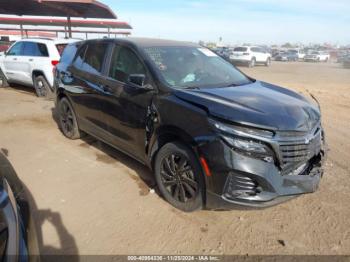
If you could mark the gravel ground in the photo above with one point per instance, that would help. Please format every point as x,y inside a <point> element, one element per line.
<point>91,199</point>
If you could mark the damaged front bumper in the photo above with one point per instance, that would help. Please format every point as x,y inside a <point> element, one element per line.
<point>241,180</point>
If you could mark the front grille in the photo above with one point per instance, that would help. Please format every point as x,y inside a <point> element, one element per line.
<point>300,150</point>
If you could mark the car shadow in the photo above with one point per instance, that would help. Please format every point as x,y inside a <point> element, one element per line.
<point>23,89</point>
<point>109,155</point>
<point>34,218</point>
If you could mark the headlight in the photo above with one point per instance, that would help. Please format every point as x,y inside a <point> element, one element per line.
<point>236,137</point>
<point>241,130</point>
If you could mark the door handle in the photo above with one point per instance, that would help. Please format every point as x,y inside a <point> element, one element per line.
<point>14,59</point>
<point>31,59</point>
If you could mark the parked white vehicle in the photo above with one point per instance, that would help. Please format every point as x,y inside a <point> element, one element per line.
<point>31,62</point>
<point>317,56</point>
<point>298,52</point>
<point>250,55</point>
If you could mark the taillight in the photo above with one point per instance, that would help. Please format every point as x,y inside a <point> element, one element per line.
<point>54,62</point>
<point>246,54</point>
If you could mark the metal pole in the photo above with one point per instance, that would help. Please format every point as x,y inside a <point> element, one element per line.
<point>65,32</point>
<point>21,27</point>
<point>69,27</point>
<point>109,32</point>
<point>86,35</point>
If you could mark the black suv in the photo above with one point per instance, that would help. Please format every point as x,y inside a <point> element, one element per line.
<point>213,136</point>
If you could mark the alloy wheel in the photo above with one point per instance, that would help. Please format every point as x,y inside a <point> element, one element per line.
<point>178,178</point>
<point>67,119</point>
<point>41,88</point>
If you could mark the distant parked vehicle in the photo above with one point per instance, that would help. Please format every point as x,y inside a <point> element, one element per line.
<point>4,45</point>
<point>299,53</point>
<point>346,62</point>
<point>317,56</point>
<point>31,62</point>
<point>250,56</point>
<point>342,57</point>
<point>287,56</point>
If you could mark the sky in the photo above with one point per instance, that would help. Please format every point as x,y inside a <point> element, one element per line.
<point>238,21</point>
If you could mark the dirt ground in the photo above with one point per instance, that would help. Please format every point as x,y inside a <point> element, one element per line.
<point>91,199</point>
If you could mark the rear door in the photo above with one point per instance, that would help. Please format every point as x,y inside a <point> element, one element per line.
<point>83,80</point>
<point>125,104</point>
<point>257,54</point>
<point>35,56</point>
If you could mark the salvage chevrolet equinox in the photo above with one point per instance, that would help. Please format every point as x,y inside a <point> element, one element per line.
<point>214,137</point>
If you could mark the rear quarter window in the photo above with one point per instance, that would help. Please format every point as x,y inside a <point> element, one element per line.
<point>60,48</point>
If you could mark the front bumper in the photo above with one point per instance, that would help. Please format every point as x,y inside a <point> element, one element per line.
<point>311,59</point>
<point>284,59</point>
<point>239,180</point>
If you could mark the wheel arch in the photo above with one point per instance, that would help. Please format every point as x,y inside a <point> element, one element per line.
<point>167,134</point>
<point>36,73</point>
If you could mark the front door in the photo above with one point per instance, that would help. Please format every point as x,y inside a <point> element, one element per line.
<point>14,65</point>
<point>125,105</point>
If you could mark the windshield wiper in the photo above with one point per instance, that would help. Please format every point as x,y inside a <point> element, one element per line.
<point>191,87</point>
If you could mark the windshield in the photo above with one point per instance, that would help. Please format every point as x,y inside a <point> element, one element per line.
<point>186,67</point>
<point>315,53</point>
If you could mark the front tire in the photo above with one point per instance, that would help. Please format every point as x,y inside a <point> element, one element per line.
<point>3,80</point>
<point>268,62</point>
<point>179,177</point>
<point>42,87</point>
<point>67,120</point>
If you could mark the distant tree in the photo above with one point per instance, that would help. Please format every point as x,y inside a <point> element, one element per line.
<point>287,45</point>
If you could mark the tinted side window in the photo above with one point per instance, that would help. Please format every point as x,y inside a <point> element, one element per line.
<point>42,50</point>
<point>254,49</point>
<point>16,49</point>
<point>124,63</point>
<point>94,57</point>
<point>78,62</point>
<point>35,49</point>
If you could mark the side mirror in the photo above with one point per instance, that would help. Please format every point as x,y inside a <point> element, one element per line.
<point>137,79</point>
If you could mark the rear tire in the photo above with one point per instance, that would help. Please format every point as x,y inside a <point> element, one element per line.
<point>67,120</point>
<point>252,62</point>
<point>179,177</point>
<point>3,80</point>
<point>42,88</point>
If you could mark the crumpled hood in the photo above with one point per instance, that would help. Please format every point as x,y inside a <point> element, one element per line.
<point>259,104</point>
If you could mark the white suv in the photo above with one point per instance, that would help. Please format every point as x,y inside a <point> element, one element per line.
<point>31,62</point>
<point>250,55</point>
<point>317,56</point>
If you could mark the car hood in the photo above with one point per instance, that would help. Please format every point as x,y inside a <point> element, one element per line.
<point>257,104</point>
